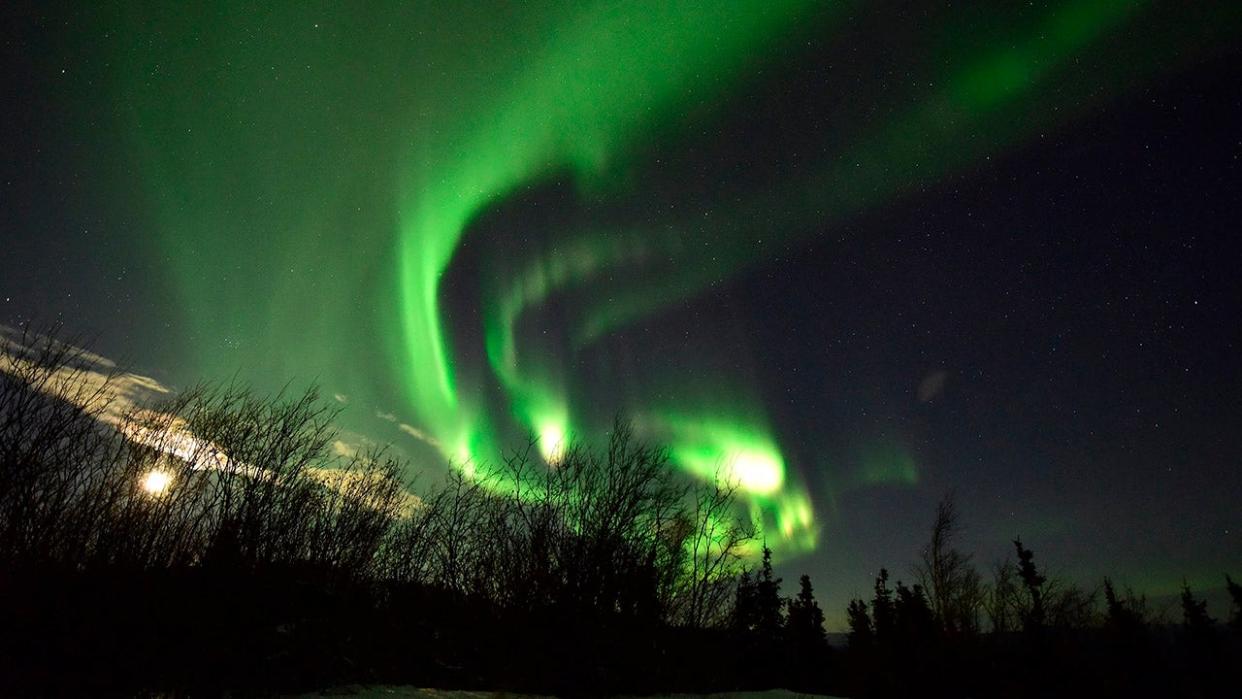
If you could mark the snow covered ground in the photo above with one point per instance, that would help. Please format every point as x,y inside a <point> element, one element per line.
<point>407,692</point>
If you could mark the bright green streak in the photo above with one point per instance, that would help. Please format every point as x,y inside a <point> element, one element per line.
<point>607,75</point>
<point>992,98</point>
<point>893,157</point>
<point>887,464</point>
<point>937,135</point>
<point>734,453</point>
<point>310,173</point>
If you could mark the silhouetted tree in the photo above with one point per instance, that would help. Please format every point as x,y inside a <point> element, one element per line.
<point>769,606</point>
<point>1126,651</point>
<point>715,552</point>
<point>861,635</point>
<point>882,612</point>
<point>1033,617</point>
<point>805,623</point>
<point>1068,606</point>
<point>1201,644</point>
<point>1235,594</point>
<point>915,620</point>
<point>1125,615</point>
<point>1195,618</point>
<point>1001,601</point>
<point>745,615</point>
<point>806,638</point>
<point>954,589</point>
<point>274,562</point>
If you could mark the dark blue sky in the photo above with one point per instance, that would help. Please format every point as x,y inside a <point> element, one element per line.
<point>1069,303</point>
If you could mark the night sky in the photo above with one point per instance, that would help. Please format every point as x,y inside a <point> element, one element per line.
<point>856,255</point>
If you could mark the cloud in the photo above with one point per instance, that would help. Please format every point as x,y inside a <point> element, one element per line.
<point>344,449</point>
<point>932,385</point>
<point>418,434</point>
<point>408,429</point>
<point>83,378</point>
<point>115,397</point>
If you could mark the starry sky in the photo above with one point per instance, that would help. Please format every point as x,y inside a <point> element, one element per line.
<point>851,255</point>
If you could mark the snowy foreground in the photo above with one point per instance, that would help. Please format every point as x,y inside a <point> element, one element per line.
<point>407,692</point>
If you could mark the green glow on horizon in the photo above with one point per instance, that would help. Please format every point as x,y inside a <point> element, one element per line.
<point>887,464</point>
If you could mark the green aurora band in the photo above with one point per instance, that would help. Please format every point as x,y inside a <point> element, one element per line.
<point>611,73</point>
<point>324,133</point>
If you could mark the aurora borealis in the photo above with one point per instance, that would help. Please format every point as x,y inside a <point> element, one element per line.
<point>752,228</point>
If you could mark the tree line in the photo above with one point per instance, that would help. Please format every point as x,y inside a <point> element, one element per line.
<point>1027,633</point>
<point>219,542</point>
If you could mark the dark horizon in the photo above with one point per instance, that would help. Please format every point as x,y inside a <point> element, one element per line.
<point>864,257</point>
<point>222,540</point>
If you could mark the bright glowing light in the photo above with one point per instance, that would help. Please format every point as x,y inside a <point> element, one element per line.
<point>552,441</point>
<point>580,95</point>
<point>156,482</point>
<point>738,452</point>
<point>757,472</point>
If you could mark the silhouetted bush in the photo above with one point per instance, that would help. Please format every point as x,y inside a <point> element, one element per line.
<point>217,540</point>
<point>1043,636</point>
<point>1235,595</point>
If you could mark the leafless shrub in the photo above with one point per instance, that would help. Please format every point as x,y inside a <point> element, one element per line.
<point>222,480</point>
<point>1012,606</point>
<point>714,557</point>
<point>954,589</point>
<point>55,455</point>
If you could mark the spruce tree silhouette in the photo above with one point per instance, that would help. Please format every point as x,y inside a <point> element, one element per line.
<point>915,619</point>
<point>1195,618</point>
<point>1127,651</point>
<point>745,617</point>
<point>1125,617</point>
<point>1034,617</point>
<point>299,568</point>
<point>861,658</point>
<point>1202,646</point>
<point>808,642</point>
<point>759,622</point>
<point>1235,593</point>
<point>861,635</point>
<point>882,609</point>
<point>769,619</point>
<point>805,626</point>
